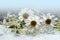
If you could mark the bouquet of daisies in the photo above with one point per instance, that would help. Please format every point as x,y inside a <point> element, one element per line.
<point>30,21</point>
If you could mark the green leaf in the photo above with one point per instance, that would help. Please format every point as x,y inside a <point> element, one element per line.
<point>22,24</point>
<point>17,31</point>
<point>12,30</point>
<point>58,29</point>
<point>12,26</point>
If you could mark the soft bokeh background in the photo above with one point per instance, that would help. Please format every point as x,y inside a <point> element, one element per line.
<point>39,4</point>
<point>52,6</point>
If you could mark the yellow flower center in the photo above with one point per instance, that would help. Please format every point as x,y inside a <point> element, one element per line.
<point>33,23</point>
<point>48,21</point>
<point>25,15</point>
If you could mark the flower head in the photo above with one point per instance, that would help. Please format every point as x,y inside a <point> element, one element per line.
<point>48,22</point>
<point>25,13</point>
<point>49,19</point>
<point>33,24</point>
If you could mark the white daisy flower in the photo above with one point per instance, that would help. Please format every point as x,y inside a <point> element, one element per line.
<point>33,24</point>
<point>48,21</point>
<point>25,13</point>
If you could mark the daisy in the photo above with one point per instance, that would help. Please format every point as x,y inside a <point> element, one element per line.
<point>25,13</point>
<point>48,21</point>
<point>33,24</point>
